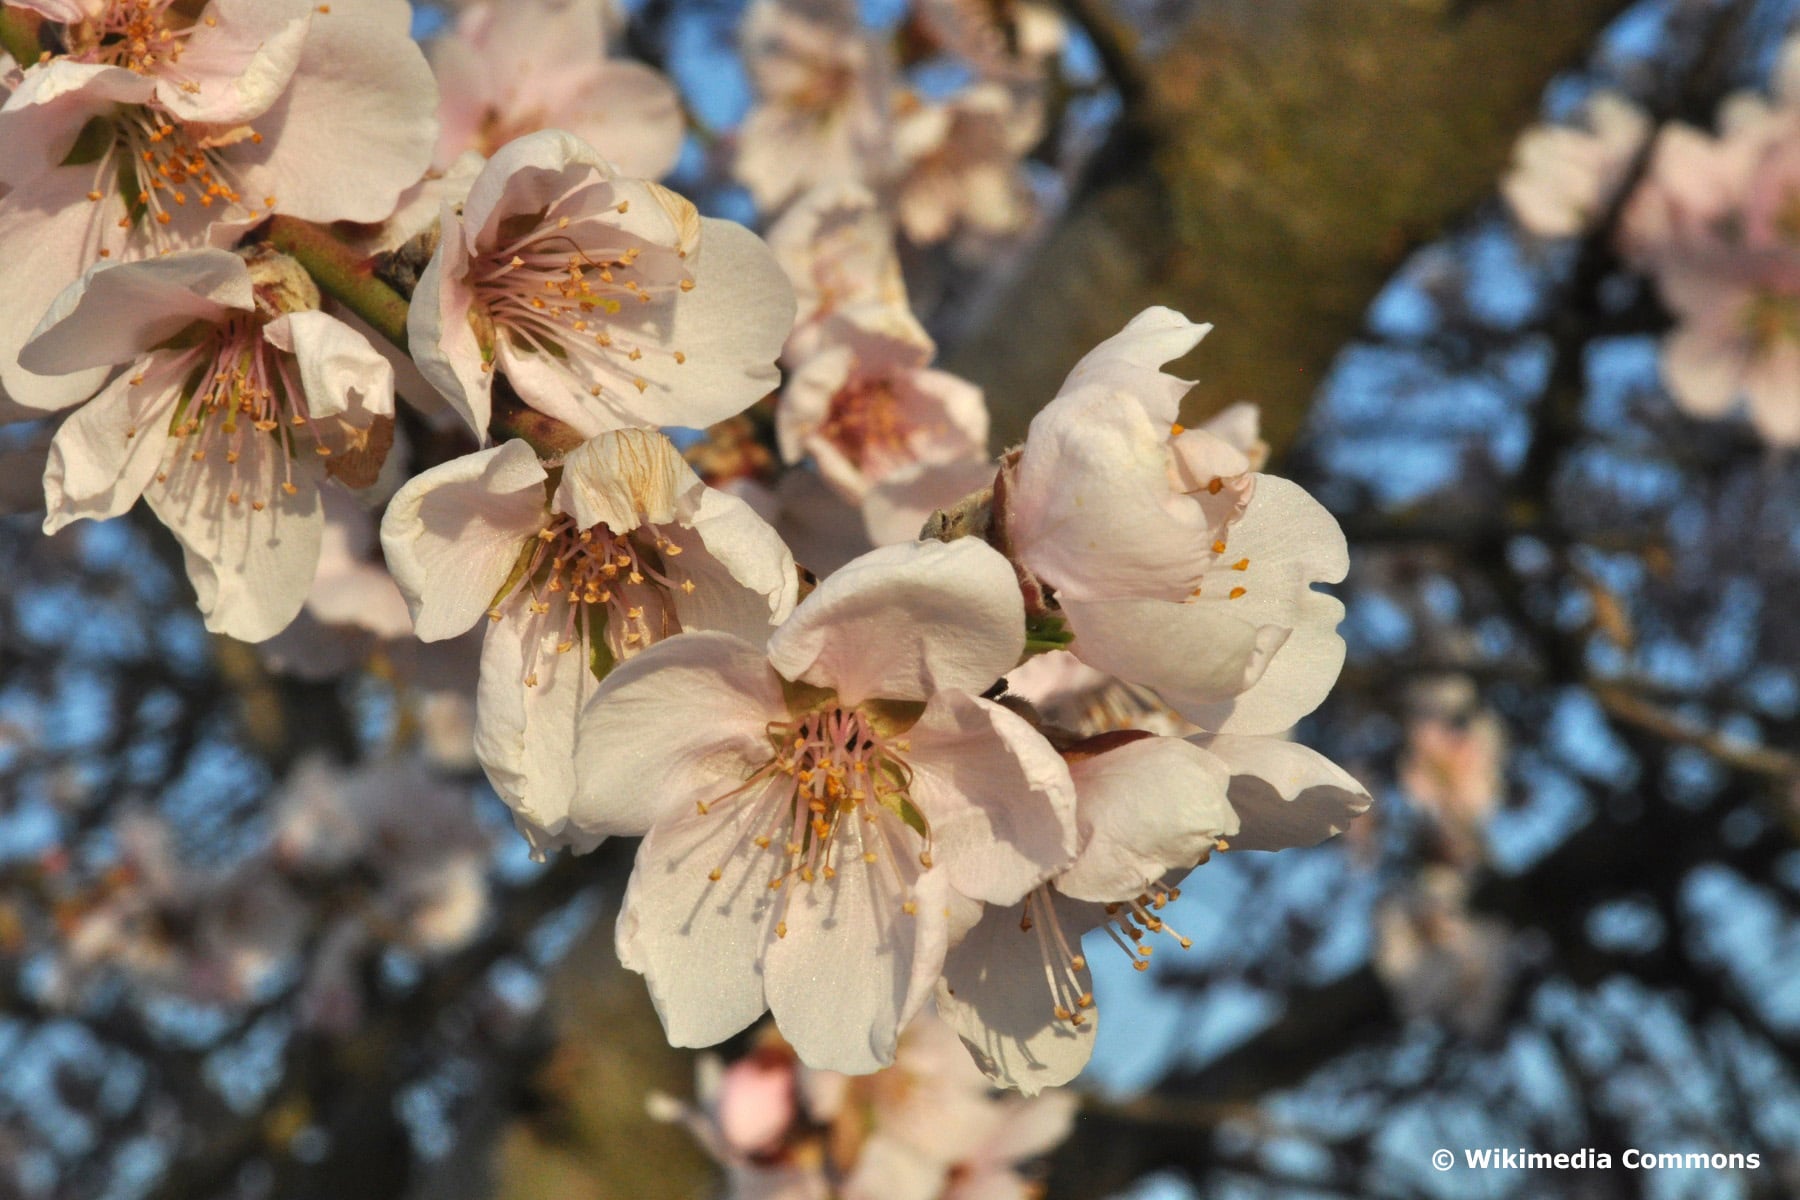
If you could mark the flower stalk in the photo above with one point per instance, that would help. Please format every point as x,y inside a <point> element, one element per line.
<point>344,275</point>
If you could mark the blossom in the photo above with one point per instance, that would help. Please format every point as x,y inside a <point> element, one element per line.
<point>1149,535</point>
<point>415,837</point>
<point>1148,809</point>
<point>229,417</point>
<point>928,1126</point>
<point>1012,42</point>
<point>837,246</point>
<point>822,100</point>
<point>962,165</point>
<point>608,303</point>
<point>153,125</point>
<point>1453,769</point>
<point>827,809</point>
<point>1439,960</point>
<point>624,548</point>
<point>866,406</point>
<point>1564,177</point>
<point>509,69</point>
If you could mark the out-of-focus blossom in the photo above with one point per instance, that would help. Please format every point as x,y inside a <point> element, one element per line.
<point>962,168</point>
<point>629,549</point>
<point>608,303</point>
<point>837,246</point>
<point>1716,221</point>
<point>866,406</point>
<point>822,112</point>
<point>1564,177</point>
<point>1440,961</point>
<point>820,818</point>
<point>1149,535</point>
<point>153,124</point>
<point>212,936</point>
<point>929,1126</point>
<point>414,835</point>
<point>515,67</point>
<point>1453,770</point>
<point>1011,42</point>
<point>237,403</point>
<point>1148,809</point>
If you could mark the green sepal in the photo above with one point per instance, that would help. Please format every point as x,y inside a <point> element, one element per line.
<point>1046,632</point>
<point>95,138</point>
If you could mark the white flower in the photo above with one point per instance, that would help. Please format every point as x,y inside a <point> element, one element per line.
<point>626,548</point>
<point>1151,536</point>
<point>819,817</point>
<point>228,418</point>
<point>607,303</point>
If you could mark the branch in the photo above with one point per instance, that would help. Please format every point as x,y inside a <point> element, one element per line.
<point>19,36</point>
<point>343,274</point>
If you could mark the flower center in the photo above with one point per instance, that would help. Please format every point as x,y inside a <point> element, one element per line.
<point>865,423</point>
<point>616,591</point>
<point>134,34</point>
<point>554,282</point>
<point>846,794</point>
<point>239,388</point>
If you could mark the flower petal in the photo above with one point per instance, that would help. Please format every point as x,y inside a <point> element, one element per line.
<point>453,534</point>
<point>1129,362</point>
<point>697,941</point>
<point>251,567</point>
<point>110,448</point>
<point>1291,542</point>
<point>996,795</point>
<point>116,312</point>
<point>523,732</point>
<point>1149,807</point>
<point>680,725</point>
<point>236,66</point>
<point>341,373</point>
<point>443,343</point>
<point>1285,794</point>
<point>854,966</point>
<point>995,996</point>
<point>43,117</point>
<point>904,622</point>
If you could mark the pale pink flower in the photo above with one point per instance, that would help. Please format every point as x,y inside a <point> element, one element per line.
<point>822,86</point>
<point>829,809</point>
<point>1012,42</point>
<point>962,168</point>
<point>1454,771</point>
<point>1564,177</point>
<point>228,418</point>
<point>1440,961</point>
<point>513,68</point>
<point>836,244</point>
<point>866,406</point>
<point>155,124</point>
<point>629,549</point>
<point>897,508</point>
<point>415,836</point>
<point>1018,989</point>
<point>1717,223</point>
<point>1150,535</point>
<point>607,303</point>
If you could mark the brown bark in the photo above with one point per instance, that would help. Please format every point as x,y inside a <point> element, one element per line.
<point>1280,160</point>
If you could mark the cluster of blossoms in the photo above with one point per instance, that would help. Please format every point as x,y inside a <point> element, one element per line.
<point>1711,218</point>
<point>929,1126</point>
<point>850,807</point>
<point>395,848</point>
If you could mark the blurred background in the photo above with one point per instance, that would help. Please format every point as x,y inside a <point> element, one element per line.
<point>265,932</point>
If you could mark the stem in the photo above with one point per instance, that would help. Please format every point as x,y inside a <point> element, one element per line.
<point>19,36</point>
<point>343,274</point>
